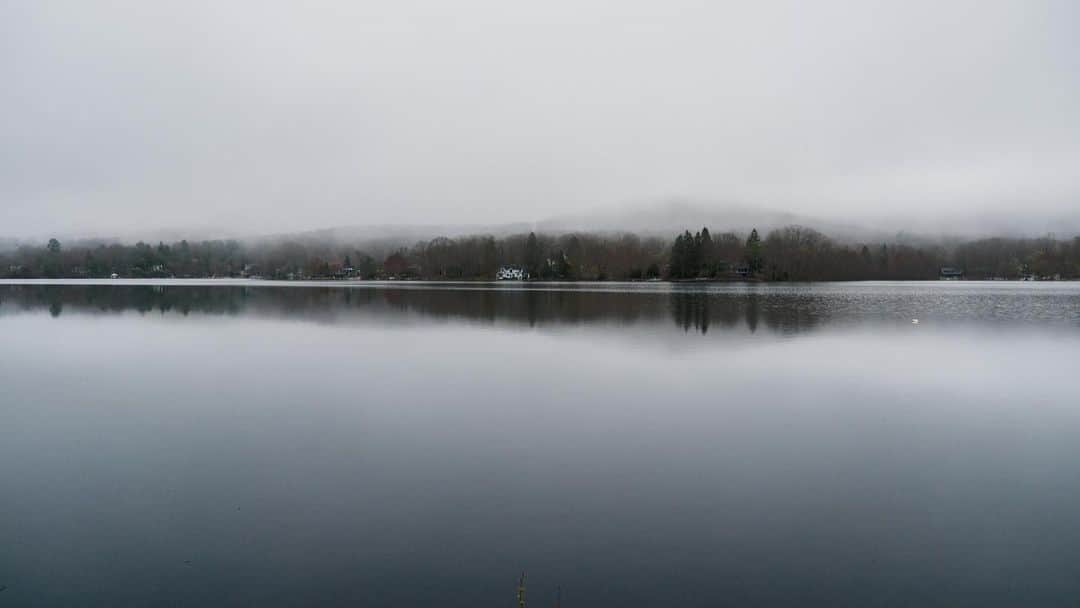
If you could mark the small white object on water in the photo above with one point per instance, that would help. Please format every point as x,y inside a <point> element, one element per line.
<point>914,321</point>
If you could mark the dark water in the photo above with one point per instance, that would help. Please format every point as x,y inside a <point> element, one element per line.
<point>638,445</point>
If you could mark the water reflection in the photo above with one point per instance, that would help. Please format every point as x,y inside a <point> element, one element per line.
<point>688,310</point>
<point>786,310</point>
<point>398,445</point>
<point>698,311</point>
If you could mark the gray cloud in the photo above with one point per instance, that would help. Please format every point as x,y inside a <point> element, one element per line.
<point>271,116</point>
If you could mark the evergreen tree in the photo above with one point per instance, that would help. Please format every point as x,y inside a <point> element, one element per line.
<point>708,254</point>
<point>678,256</point>
<point>532,255</point>
<point>754,258</point>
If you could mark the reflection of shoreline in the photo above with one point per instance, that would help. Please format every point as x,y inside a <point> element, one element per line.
<point>791,310</point>
<point>530,307</point>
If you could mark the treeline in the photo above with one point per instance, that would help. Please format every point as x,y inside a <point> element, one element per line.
<point>579,256</point>
<point>793,253</point>
<point>797,253</point>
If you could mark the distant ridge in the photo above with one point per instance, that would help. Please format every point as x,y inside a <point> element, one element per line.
<point>675,215</point>
<point>664,218</point>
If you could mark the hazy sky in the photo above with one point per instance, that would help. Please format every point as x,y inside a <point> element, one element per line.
<point>267,116</point>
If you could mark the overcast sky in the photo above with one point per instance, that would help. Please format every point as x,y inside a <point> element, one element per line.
<point>270,116</point>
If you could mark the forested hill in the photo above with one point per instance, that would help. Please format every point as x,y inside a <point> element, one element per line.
<point>792,253</point>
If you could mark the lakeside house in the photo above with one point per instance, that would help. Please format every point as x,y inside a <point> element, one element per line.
<point>949,273</point>
<point>347,272</point>
<point>511,273</point>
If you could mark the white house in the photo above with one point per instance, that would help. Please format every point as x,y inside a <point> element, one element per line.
<point>511,273</point>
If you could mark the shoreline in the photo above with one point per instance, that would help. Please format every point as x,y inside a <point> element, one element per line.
<point>245,282</point>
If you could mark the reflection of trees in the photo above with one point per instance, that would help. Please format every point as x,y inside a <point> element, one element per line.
<point>533,307</point>
<point>529,306</point>
<point>113,298</point>
<point>704,310</point>
<point>691,310</point>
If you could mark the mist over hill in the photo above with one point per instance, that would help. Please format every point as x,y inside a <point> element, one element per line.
<point>648,219</point>
<point>665,217</point>
<point>675,215</point>
<point>671,216</point>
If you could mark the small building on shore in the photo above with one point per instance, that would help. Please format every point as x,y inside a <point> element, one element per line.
<point>511,273</point>
<point>950,273</point>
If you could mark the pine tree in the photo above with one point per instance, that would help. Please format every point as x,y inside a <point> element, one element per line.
<point>532,255</point>
<point>708,253</point>
<point>753,252</point>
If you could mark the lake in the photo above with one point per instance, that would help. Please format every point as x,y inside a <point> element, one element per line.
<point>407,444</point>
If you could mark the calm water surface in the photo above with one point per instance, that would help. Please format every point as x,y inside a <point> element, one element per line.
<point>408,445</point>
